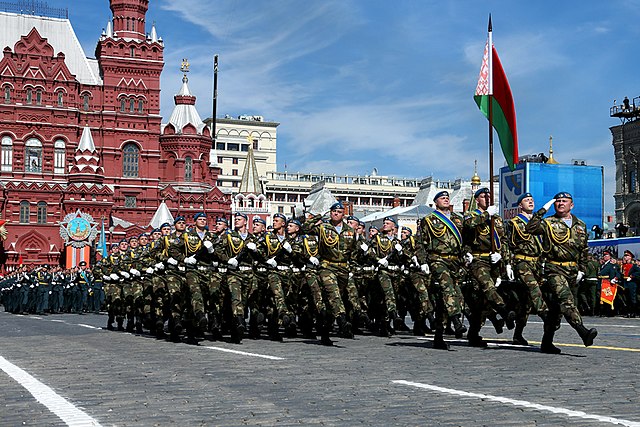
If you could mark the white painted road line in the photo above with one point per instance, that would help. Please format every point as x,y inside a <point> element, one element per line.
<point>244,353</point>
<point>88,326</point>
<point>65,410</point>
<point>596,325</point>
<point>523,403</point>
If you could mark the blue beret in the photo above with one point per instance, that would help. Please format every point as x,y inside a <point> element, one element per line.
<point>143,235</point>
<point>337,205</point>
<point>222,219</point>
<point>260,220</point>
<point>524,196</point>
<point>114,245</point>
<point>124,241</point>
<point>440,194</point>
<point>157,230</point>
<point>388,218</point>
<point>243,215</point>
<point>352,218</point>
<point>133,238</point>
<point>295,221</point>
<point>407,229</point>
<point>166,224</point>
<point>178,219</point>
<point>279,215</point>
<point>563,195</point>
<point>373,227</point>
<point>481,191</point>
<point>360,223</point>
<point>199,215</point>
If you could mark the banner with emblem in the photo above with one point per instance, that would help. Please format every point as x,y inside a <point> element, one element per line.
<point>608,292</point>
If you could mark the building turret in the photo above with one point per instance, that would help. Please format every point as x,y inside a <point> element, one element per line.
<point>129,18</point>
<point>86,162</point>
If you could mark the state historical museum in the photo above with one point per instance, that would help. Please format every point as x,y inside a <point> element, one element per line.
<point>83,134</point>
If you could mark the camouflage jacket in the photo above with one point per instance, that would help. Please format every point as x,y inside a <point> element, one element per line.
<point>438,238</point>
<point>382,246</point>
<point>520,241</point>
<point>230,244</point>
<point>566,244</point>
<point>477,234</point>
<point>333,246</point>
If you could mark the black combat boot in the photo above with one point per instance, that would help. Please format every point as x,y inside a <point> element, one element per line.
<point>508,316</point>
<point>547,338</point>
<point>458,327</point>
<point>201,323</point>
<point>344,327</point>
<point>176,330</point>
<point>159,329</point>
<point>587,335</point>
<point>474,338</point>
<point>110,321</point>
<point>120,322</point>
<point>432,322</point>
<point>324,326</point>
<point>419,327</point>
<point>518,339</point>
<point>498,324</point>
<point>439,342</point>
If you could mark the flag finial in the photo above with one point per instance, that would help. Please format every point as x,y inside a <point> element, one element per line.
<point>490,27</point>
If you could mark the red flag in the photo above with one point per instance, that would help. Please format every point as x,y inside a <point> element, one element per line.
<point>20,260</point>
<point>608,293</point>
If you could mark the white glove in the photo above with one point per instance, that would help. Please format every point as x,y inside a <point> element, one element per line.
<point>628,279</point>
<point>19,286</point>
<point>50,292</point>
<point>31,286</point>
<point>159,266</point>
<point>510,274</point>
<point>414,259</point>
<point>114,276</point>
<point>287,246</point>
<point>492,210</point>
<point>313,260</point>
<point>495,257</point>
<point>134,272</point>
<point>252,246</point>
<point>350,275</point>
<point>172,261</point>
<point>364,247</point>
<point>105,278</point>
<point>149,270</point>
<point>614,280</point>
<point>233,262</point>
<point>207,244</point>
<point>581,275</point>
<point>272,262</point>
<point>468,258</point>
<point>498,282</point>
<point>125,274</point>
<point>191,260</point>
<point>547,205</point>
<point>383,262</point>
<point>398,247</point>
<point>425,268</point>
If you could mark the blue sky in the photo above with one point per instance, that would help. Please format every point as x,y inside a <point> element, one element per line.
<point>364,84</point>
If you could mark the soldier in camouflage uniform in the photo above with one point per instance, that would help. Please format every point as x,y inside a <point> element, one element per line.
<point>566,237</point>
<point>486,253</point>
<point>442,243</point>
<point>259,299</point>
<point>132,285</point>
<point>174,278</point>
<point>158,255</point>
<point>336,244</point>
<point>526,251</point>
<point>113,289</point>
<point>363,273</point>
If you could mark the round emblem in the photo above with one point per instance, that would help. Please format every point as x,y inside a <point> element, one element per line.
<point>78,229</point>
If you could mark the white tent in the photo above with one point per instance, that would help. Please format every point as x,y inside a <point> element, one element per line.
<point>404,215</point>
<point>161,216</point>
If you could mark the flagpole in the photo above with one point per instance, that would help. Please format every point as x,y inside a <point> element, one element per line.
<point>491,195</point>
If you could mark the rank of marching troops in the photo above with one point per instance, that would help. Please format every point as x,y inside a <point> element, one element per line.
<point>325,275</point>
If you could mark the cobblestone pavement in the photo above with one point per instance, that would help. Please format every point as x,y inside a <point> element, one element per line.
<point>127,380</point>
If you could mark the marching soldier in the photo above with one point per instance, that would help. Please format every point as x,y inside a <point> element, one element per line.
<point>174,277</point>
<point>566,236</point>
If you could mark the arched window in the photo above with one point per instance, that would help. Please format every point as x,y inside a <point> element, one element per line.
<point>60,99</point>
<point>132,105</point>
<point>59,157</point>
<point>7,94</point>
<point>188,169</point>
<point>24,212</point>
<point>29,96</point>
<point>130,160</point>
<point>633,180</point>
<point>132,52</point>
<point>39,97</point>
<point>85,102</point>
<point>140,106</point>
<point>123,105</point>
<point>33,156</point>
<point>7,154</point>
<point>42,212</point>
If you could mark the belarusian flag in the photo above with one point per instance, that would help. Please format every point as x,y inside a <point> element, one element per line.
<point>493,85</point>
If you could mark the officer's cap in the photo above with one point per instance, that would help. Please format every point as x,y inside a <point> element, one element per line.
<point>199,215</point>
<point>563,195</point>
<point>388,218</point>
<point>440,194</point>
<point>628,252</point>
<point>337,205</point>
<point>82,264</point>
<point>243,215</point>
<point>524,196</point>
<point>606,253</point>
<point>481,191</point>
<point>178,219</point>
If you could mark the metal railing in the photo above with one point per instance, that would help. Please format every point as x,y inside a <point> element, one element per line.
<point>34,7</point>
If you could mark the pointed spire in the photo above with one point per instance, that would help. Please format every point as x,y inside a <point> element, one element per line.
<point>162,215</point>
<point>475,179</point>
<point>154,33</point>
<point>551,160</point>
<point>86,141</point>
<point>109,31</point>
<point>250,182</point>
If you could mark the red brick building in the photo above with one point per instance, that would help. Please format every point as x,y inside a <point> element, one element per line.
<point>86,134</point>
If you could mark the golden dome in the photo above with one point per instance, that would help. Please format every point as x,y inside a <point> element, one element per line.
<point>551,160</point>
<point>475,179</point>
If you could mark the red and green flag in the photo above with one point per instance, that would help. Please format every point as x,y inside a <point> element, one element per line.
<point>493,87</point>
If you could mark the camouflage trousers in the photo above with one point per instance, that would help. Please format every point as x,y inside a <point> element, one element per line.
<point>313,289</point>
<point>113,297</point>
<point>174,280</point>
<point>159,292</point>
<point>279,284</point>
<point>212,291</point>
<point>483,273</point>
<point>194,279</point>
<point>527,273</point>
<point>336,283</point>
<point>445,289</point>
<point>418,281</point>
<point>132,291</point>
<point>558,286</point>
<point>387,279</point>
<point>238,286</point>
